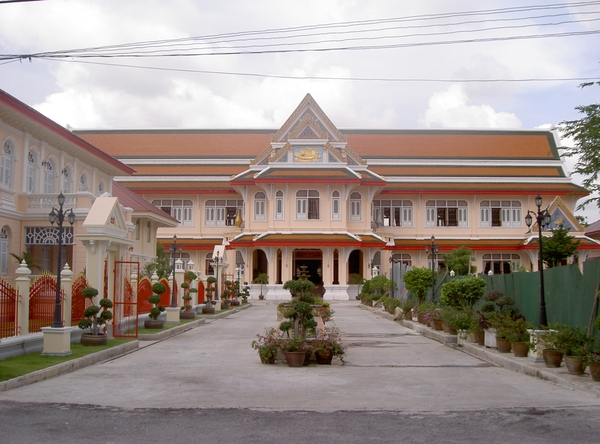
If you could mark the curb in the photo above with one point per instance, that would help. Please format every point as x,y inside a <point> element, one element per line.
<point>559,376</point>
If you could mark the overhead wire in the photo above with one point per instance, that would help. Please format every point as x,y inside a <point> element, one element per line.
<point>169,47</point>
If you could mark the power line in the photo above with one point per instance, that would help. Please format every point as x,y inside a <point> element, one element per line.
<point>357,79</point>
<point>161,48</point>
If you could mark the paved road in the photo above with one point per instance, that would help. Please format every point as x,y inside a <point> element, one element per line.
<point>207,385</point>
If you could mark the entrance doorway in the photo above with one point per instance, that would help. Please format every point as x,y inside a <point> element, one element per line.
<point>309,264</point>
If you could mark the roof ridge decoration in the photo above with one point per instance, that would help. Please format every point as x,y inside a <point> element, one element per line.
<point>306,110</point>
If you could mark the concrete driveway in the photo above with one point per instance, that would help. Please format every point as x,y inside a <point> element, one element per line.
<point>388,368</point>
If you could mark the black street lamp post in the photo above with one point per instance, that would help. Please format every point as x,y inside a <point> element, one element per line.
<point>174,292</point>
<point>542,219</point>
<point>58,217</point>
<point>434,250</point>
<point>218,260</point>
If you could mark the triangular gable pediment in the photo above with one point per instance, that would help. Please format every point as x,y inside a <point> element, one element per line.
<point>106,217</point>
<point>308,121</point>
<point>562,216</point>
<point>308,136</point>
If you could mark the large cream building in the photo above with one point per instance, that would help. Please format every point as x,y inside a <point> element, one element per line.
<point>309,199</point>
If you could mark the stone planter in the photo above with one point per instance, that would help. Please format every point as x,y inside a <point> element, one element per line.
<point>490,337</point>
<point>89,339</point>
<point>154,323</point>
<point>187,315</point>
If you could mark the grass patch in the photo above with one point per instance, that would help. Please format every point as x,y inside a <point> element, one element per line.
<point>21,365</point>
<point>150,331</point>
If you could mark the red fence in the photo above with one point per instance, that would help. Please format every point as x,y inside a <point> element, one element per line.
<point>8,309</point>
<point>78,302</point>
<point>144,292</point>
<point>42,297</point>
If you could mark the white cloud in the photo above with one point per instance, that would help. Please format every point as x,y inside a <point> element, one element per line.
<point>449,109</point>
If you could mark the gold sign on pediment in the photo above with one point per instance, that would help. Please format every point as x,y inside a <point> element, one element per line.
<point>307,154</point>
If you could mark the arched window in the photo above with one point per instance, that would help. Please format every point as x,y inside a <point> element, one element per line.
<point>83,182</point>
<point>3,251</point>
<point>260,204</point>
<point>335,205</point>
<point>6,165</point>
<point>101,188</point>
<point>31,171</point>
<point>67,179</point>
<point>279,205</point>
<point>355,207</point>
<point>48,176</point>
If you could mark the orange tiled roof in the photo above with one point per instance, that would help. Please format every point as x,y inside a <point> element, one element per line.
<point>452,144</point>
<point>180,143</point>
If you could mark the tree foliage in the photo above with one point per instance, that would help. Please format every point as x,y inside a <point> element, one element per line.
<point>586,135</point>
<point>418,280</point>
<point>459,261</point>
<point>463,292</point>
<point>161,264</point>
<point>559,246</point>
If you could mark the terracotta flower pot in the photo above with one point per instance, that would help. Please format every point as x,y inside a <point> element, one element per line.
<point>574,365</point>
<point>520,349</point>
<point>595,371</point>
<point>295,359</point>
<point>552,358</point>
<point>437,325</point>
<point>324,357</point>
<point>503,345</point>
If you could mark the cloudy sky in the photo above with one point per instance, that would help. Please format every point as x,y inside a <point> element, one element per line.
<point>240,64</point>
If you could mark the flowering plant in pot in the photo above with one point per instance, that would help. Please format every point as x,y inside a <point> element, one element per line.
<point>329,345</point>
<point>154,299</point>
<point>95,317</point>
<point>267,346</point>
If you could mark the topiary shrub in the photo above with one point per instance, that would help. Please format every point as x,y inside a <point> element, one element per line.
<point>95,315</point>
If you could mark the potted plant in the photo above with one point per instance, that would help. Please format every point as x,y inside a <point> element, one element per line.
<point>245,293</point>
<point>575,345</point>
<point>208,307</point>
<point>517,333</point>
<point>267,346</point>
<point>154,299</point>
<point>418,280</point>
<point>295,351</point>
<point>328,346</point>
<point>262,279</point>
<point>95,317</point>
<point>187,312</point>
<point>476,331</point>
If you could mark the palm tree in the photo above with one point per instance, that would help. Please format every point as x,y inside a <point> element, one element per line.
<point>261,279</point>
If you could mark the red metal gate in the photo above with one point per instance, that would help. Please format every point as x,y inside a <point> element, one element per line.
<point>125,313</point>
<point>42,298</point>
<point>8,310</point>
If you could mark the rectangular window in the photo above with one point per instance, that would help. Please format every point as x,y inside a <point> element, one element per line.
<point>394,213</point>
<point>180,209</point>
<point>505,213</point>
<point>307,204</point>
<point>221,212</point>
<point>447,213</point>
<point>279,208</point>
